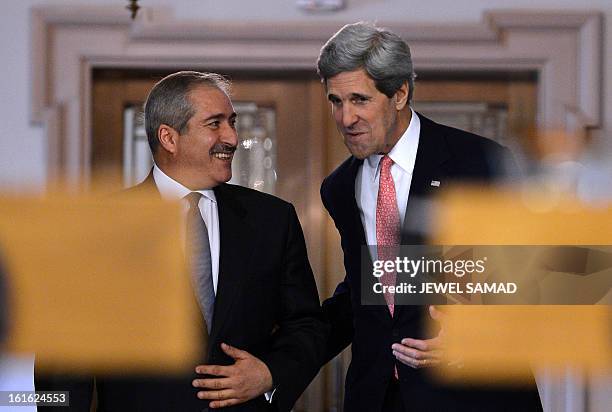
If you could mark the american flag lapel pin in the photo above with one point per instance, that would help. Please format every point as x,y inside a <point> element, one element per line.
<point>435,183</point>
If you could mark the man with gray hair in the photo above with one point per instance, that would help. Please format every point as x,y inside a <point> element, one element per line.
<point>398,157</point>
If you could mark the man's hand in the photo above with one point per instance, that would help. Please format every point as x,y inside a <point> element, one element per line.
<point>246,379</point>
<point>418,353</point>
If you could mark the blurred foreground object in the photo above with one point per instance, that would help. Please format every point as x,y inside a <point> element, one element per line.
<point>3,306</point>
<point>518,216</point>
<point>98,284</point>
<point>501,342</point>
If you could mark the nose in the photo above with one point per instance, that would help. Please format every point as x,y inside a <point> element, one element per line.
<point>349,117</point>
<point>229,136</point>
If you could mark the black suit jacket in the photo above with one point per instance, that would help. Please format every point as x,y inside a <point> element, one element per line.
<point>444,154</point>
<point>266,304</point>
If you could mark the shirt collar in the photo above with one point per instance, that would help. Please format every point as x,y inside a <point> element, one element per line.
<point>170,189</point>
<point>403,153</point>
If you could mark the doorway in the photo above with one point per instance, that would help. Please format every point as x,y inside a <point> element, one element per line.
<point>298,145</point>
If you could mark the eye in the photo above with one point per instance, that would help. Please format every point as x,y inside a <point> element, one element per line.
<point>232,123</point>
<point>335,101</point>
<point>214,124</point>
<point>360,100</point>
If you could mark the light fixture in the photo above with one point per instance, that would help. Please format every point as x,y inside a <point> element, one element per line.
<point>133,7</point>
<point>320,5</point>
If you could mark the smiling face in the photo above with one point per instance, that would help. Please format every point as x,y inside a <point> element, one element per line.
<point>369,121</point>
<point>201,157</point>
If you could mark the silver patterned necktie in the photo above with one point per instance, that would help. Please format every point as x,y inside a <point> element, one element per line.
<point>198,253</point>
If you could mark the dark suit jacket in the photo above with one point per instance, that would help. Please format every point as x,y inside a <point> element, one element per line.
<point>266,304</point>
<point>444,154</point>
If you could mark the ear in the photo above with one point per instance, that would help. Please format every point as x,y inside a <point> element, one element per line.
<point>168,138</point>
<point>401,97</point>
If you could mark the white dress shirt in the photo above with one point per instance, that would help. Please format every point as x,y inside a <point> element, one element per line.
<point>172,190</point>
<point>403,155</point>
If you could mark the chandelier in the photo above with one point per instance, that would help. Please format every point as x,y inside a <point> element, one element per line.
<point>133,7</point>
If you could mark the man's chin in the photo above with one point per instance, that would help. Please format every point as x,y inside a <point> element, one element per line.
<point>224,178</point>
<point>358,152</point>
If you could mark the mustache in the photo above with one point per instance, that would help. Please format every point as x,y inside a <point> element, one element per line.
<point>222,148</point>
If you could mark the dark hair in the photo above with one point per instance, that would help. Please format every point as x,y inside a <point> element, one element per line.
<point>380,52</point>
<point>168,102</point>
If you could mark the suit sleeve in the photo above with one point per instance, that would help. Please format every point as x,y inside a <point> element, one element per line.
<point>296,352</point>
<point>80,390</point>
<point>337,309</point>
<point>339,315</point>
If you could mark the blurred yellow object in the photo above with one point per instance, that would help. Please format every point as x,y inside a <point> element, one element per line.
<point>502,342</point>
<point>527,216</point>
<point>99,284</point>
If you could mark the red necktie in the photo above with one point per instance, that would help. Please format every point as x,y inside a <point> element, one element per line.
<point>387,225</point>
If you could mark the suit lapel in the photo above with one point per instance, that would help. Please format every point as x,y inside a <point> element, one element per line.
<point>347,196</point>
<point>236,237</point>
<point>432,153</point>
<point>235,233</point>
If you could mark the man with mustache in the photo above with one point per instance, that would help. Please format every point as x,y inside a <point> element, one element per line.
<point>260,306</point>
<point>265,327</point>
<point>398,158</point>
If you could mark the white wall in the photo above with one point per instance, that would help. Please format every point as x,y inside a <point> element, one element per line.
<point>22,160</point>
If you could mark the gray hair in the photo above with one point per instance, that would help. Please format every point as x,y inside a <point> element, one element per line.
<point>168,102</point>
<point>381,53</point>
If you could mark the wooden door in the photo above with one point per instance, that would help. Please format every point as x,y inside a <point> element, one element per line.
<point>308,148</point>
